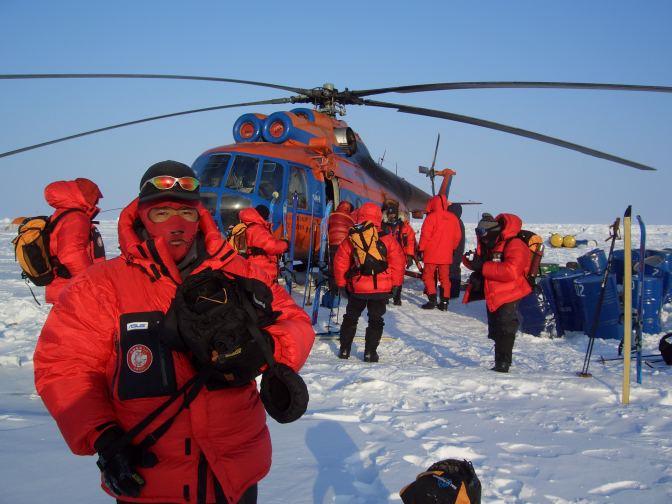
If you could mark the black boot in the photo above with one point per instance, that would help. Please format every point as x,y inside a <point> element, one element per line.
<point>431,304</point>
<point>372,341</point>
<point>371,356</point>
<point>443,305</point>
<point>502,362</point>
<point>344,353</point>
<point>500,367</point>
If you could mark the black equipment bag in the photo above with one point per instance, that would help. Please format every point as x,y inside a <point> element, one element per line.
<point>665,348</point>
<point>449,481</point>
<point>211,317</point>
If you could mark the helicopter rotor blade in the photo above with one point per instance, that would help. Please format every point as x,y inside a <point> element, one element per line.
<point>150,76</point>
<point>146,119</point>
<point>507,129</point>
<point>436,150</point>
<point>447,86</point>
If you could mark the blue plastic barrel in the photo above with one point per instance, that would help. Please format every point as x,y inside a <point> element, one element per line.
<point>594,261</point>
<point>664,269</point>
<point>588,290</point>
<point>567,305</point>
<point>535,313</point>
<point>652,302</point>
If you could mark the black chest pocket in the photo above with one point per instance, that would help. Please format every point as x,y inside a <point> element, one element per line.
<point>145,365</point>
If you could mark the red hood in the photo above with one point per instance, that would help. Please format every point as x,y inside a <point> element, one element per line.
<point>512,224</point>
<point>135,249</point>
<point>370,212</point>
<point>344,207</point>
<point>437,203</point>
<point>68,194</point>
<point>251,216</point>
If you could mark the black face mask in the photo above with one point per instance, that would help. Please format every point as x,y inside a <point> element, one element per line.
<point>488,238</point>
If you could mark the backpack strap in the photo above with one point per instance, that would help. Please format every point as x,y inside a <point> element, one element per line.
<point>58,267</point>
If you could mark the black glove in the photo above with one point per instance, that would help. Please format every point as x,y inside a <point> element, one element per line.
<point>342,291</point>
<point>420,255</point>
<point>117,465</point>
<point>477,263</point>
<point>284,394</point>
<point>396,291</point>
<point>409,261</point>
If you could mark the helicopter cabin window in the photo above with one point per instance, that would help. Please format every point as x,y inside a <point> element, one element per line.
<point>298,184</point>
<point>209,201</point>
<point>213,173</point>
<point>271,180</point>
<point>243,176</point>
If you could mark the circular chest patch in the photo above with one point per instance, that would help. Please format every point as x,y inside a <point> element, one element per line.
<point>139,358</point>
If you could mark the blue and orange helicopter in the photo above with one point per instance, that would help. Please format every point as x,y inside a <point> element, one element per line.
<point>313,154</point>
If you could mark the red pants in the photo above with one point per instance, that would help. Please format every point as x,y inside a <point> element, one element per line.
<point>429,279</point>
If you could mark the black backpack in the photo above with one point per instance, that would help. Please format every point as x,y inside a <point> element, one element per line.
<point>449,481</point>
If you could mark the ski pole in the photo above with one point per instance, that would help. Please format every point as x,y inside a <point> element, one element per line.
<point>610,359</point>
<point>598,310</point>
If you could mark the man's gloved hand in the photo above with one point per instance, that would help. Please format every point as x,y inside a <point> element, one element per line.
<point>342,291</point>
<point>117,465</point>
<point>409,261</point>
<point>420,256</point>
<point>476,263</point>
<point>396,290</point>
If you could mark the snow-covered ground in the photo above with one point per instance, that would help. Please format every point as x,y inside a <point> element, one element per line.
<point>539,434</point>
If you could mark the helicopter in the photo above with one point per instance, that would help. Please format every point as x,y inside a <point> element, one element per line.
<point>310,156</point>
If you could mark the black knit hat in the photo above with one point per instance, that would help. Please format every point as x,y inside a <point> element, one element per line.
<point>171,168</point>
<point>488,224</point>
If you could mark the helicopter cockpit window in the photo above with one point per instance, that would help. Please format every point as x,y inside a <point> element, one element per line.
<point>298,184</point>
<point>243,176</point>
<point>213,173</point>
<point>271,180</point>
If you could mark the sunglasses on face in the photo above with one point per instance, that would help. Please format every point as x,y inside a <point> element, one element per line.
<point>162,214</point>
<point>165,182</point>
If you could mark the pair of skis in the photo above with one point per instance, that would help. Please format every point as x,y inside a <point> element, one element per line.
<point>322,279</point>
<point>288,257</point>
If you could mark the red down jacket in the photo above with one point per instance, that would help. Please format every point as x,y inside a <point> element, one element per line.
<point>363,284</point>
<point>81,369</point>
<point>72,239</point>
<point>505,266</point>
<point>440,234</point>
<point>262,247</point>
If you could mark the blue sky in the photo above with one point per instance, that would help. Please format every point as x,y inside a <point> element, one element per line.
<point>357,45</point>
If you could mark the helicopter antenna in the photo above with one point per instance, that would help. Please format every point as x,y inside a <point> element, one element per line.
<point>430,172</point>
<point>382,158</point>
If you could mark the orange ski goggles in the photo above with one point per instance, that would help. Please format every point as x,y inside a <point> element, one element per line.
<point>165,182</point>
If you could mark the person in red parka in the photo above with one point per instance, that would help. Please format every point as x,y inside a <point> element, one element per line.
<point>115,348</point>
<point>402,231</point>
<point>74,241</point>
<point>365,290</point>
<point>439,237</point>
<point>263,249</point>
<point>339,224</point>
<point>503,261</point>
